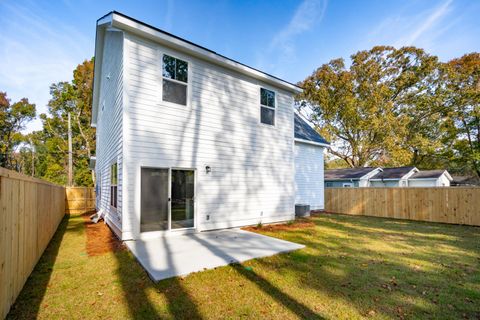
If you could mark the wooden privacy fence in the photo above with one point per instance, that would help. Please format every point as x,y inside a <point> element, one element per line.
<point>79,199</point>
<point>30,212</point>
<point>458,205</point>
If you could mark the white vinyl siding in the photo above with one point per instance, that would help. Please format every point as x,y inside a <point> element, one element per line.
<point>441,181</point>
<point>309,174</point>
<point>251,178</point>
<point>109,127</point>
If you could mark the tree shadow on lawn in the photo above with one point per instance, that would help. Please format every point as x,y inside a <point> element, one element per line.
<point>27,304</point>
<point>383,281</point>
<point>180,305</point>
<point>136,284</point>
<point>422,230</point>
<point>423,237</point>
<point>288,301</point>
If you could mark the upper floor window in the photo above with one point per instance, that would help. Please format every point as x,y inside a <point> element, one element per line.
<point>267,106</point>
<point>175,79</point>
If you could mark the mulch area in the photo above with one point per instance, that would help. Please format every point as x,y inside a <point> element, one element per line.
<point>100,239</point>
<point>298,224</point>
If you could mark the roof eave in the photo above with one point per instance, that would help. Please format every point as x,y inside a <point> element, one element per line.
<point>320,144</point>
<point>447,174</point>
<point>367,175</point>
<point>104,21</point>
<point>137,27</point>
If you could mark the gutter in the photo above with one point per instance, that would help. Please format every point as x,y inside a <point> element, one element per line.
<point>320,144</point>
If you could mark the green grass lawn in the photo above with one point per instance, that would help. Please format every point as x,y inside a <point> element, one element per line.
<point>352,267</point>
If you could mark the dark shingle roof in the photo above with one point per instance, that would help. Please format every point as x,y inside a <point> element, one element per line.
<point>305,132</point>
<point>393,173</point>
<point>347,174</point>
<point>465,181</point>
<point>425,174</point>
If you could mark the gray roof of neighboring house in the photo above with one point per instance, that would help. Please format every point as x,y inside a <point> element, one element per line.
<point>427,174</point>
<point>465,180</point>
<point>392,173</point>
<point>305,132</point>
<point>347,173</point>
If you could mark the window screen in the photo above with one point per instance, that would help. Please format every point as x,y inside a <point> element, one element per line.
<point>174,92</point>
<point>175,79</point>
<point>267,106</point>
<point>267,116</point>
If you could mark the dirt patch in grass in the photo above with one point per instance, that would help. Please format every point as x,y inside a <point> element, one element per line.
<point>100,239</point>
<point>294,225</point>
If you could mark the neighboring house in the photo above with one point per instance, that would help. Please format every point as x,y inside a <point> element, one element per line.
<point>430,178</point>
<point>393,177</point>
<point>309,165</point>
<point>386,177</point>
<point>189,140</point>
<point>350,177</point>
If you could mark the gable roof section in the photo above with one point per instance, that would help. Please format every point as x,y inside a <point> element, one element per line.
<point>347,173</point>
<point>305,133</point>
<point>393,173</point>
<point>123,22</point>
<point>430,174</point>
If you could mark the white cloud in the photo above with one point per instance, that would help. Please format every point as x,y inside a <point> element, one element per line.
<point>169,15</point>
<point>37,50</point>
<point>282,46</point>
<point>432,19</point>
<point>422,29</point>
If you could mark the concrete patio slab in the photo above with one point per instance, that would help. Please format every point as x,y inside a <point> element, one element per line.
<point>166,257</point>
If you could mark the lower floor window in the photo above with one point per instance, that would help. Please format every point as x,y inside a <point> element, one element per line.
<point>113,185</point>
<point>113,196</point>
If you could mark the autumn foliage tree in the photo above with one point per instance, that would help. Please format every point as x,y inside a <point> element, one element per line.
<point>393,107</point>
<point>462,85</point>
<point>13,118</point>
<point>51,143</point>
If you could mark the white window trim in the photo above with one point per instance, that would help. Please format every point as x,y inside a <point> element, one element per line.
<point>347,185</point>
<point>275,108</point>
<point>160,54</point>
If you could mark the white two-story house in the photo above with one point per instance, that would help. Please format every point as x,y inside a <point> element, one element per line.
<point>188,139</point>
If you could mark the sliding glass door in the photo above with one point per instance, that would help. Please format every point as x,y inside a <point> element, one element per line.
<point>154,199</point>
<point>167,199</point>
<point>182,199</point>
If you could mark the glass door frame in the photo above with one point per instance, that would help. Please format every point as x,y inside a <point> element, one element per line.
<point>170,199</point>
<point>169,207</point>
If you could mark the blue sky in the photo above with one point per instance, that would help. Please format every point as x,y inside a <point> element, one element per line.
<point>43,41</point>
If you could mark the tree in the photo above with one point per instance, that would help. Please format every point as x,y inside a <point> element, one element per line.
<point>462,83</point>
<point>382,110</point>
<point>13,118</point>
<point>52,142</point>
